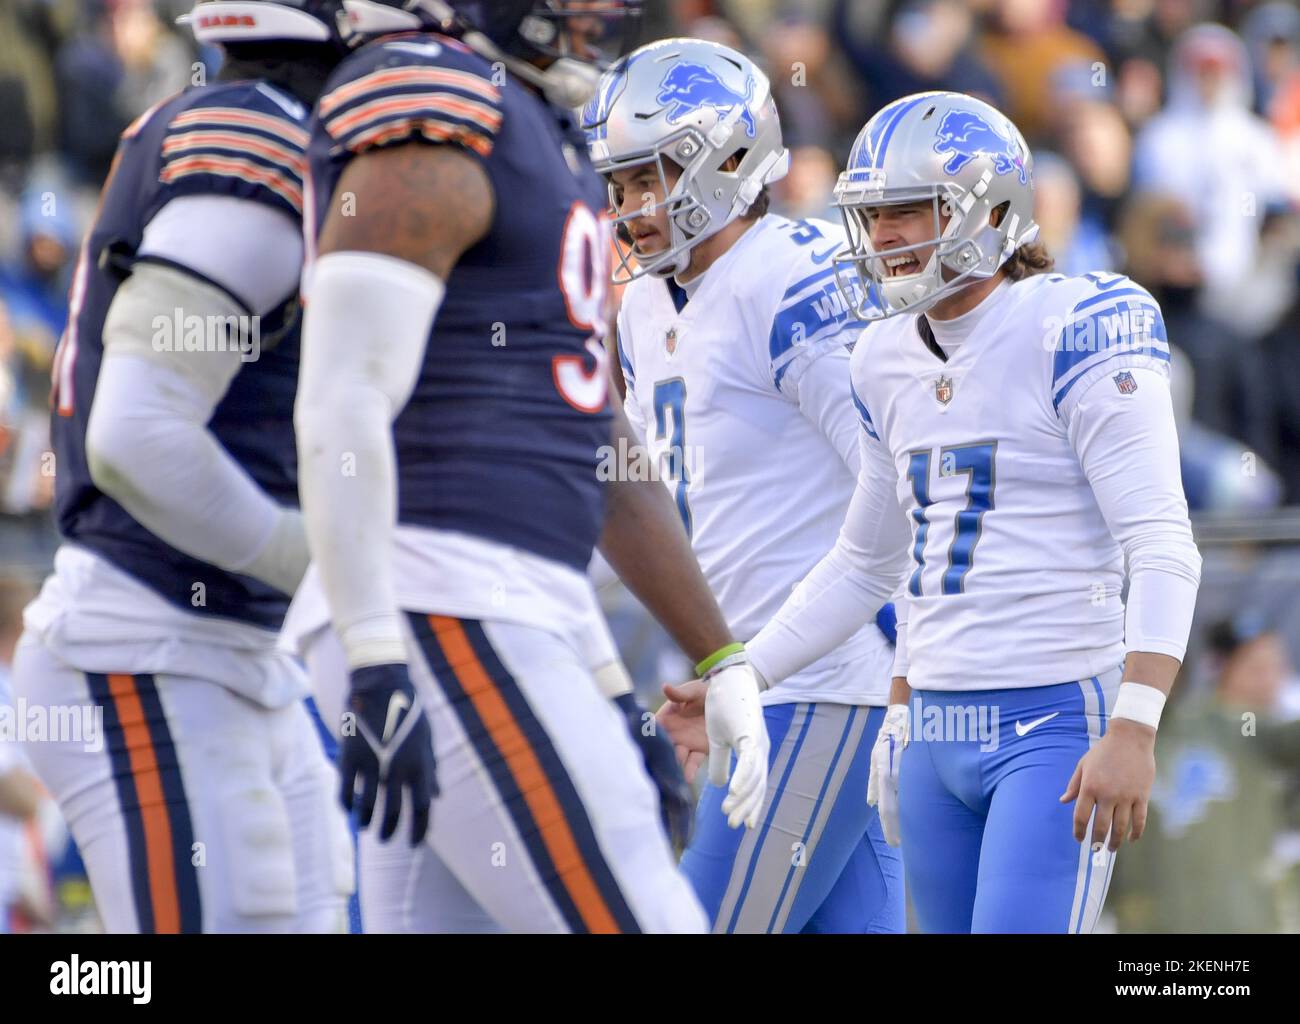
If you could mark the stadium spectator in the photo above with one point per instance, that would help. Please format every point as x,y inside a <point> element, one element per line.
<point>34,282</point>
<point>1027,44</point>
<point>928,45</point>
<point>1216,807</point>
<point>1207,149</point>
<point>110,72</point>
<point>1078,242</point>
<point>1233,395</point>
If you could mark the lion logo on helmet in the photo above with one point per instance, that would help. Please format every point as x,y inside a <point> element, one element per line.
<point>964,135</point>
<point>689,87</point>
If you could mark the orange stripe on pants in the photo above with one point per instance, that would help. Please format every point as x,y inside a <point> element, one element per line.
<point>153,805</point>
<point>527,772</point>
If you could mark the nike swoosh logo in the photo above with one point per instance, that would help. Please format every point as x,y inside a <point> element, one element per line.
<point>1022,730</point>
<point>398,703</point>
<point>823,257</point>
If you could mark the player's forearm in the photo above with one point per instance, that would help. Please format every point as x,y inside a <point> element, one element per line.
<point>1154,670</point>
<point>148,446</point>
<point>644,542</point>
<point>899,691</point>
<point>366,324</point>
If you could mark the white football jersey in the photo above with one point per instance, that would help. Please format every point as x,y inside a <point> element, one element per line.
<point>1016,576</point>
<point>742,398</point>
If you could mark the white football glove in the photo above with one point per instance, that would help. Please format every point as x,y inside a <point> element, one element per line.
<point>886,756</point>
<point>733,719</point>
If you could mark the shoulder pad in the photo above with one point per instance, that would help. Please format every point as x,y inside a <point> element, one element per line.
<point>425,86</point>
<point>243,139</point>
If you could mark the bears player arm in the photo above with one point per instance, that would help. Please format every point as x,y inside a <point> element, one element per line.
<point>847,587</point>
<point>204,259</point>
<point>1128,447</point>
<point>644,542</point>
<point>371,299</point>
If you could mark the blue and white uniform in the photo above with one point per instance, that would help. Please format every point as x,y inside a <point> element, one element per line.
<point>739,385</point>
<point>1030,447</point>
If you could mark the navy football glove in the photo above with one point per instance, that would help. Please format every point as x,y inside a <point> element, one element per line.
<point>391,745</point>
<point>661,762</point>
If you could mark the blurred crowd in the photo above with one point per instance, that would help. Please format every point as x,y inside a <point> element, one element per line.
<point>1166,136</point>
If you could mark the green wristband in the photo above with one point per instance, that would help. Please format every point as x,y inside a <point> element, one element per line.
<point>717,656</point>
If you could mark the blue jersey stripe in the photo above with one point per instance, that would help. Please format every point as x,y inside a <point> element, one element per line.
<point>803,320</point>
<point>1085,337</point>
<point>867,425</point>
<point>799,286</point>
<point>1153,353</point>
<point>1120,294</point>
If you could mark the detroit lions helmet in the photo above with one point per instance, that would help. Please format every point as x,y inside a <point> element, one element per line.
<point>697,104</point>
<point>964,157</point>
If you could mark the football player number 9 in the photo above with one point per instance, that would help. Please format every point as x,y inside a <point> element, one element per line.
<point>584,283</point>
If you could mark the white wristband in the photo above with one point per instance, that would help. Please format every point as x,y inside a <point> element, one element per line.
<point>1139,703</point>
<point>612,679</point>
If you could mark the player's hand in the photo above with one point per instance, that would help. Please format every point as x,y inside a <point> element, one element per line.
<point>682,720</point>
<point>391,746</point>
<point>733,719</point>
<point>675,804</point>
<point>886,756</point>
<point>1114,778</point>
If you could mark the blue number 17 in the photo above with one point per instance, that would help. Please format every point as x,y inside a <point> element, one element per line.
<point>976,461</point>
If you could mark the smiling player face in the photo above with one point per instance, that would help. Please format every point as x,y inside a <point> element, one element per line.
<point>896,227</point>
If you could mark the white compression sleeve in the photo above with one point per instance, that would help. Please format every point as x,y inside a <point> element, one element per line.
<point>823,395</point>
<point>147,442</point>
<point>1128,448</point>
<point>251,249</point>
<point>901,662</point>
<point>367,323</point>
<point>845,589</point>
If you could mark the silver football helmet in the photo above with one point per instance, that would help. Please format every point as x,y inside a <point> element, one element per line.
<point>966,159</point>
<point>697,104</point>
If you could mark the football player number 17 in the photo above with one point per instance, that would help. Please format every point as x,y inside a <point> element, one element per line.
<point>976,463</point>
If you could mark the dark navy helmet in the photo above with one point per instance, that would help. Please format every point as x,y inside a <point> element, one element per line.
<point>590,31</point>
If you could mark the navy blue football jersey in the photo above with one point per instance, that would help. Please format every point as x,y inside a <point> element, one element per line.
<point>240,139</point>
<point>500,437</point>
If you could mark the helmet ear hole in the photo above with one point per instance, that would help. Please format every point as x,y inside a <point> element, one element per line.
<point>734,161</point>
<point>999,213</point>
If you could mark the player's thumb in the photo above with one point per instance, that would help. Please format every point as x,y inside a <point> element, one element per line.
<point>719,763</point>
<point>675,694</point>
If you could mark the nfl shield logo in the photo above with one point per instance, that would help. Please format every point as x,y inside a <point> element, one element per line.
<point>670,340</point>
<point>943,390</point>
<point>1125,382</point>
